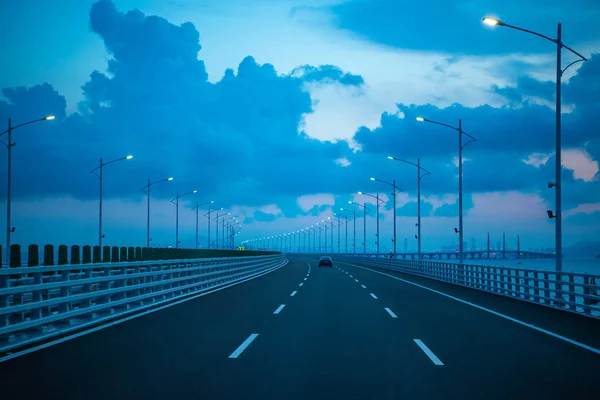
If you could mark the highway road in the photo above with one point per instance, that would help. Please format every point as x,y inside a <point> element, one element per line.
<point>303,332</point>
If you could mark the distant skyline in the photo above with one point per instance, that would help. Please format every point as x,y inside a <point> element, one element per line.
<point>281,110</point>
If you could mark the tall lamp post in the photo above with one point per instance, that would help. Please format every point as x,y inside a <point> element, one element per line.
<point>377,200</point>
<point>419,176</point>
<point>146,189</point>
<point>461,146</point>
<point>9,145</point>
<point>176,202</point>
<point>196,209</point>
<point>365,209</point>
<point>217,227</point>
<point>558,167</point>
<point>395,192</point>
<point>99,175</point>
<point>346,219</point>
<point>354,222</point>
<point>208,215</point>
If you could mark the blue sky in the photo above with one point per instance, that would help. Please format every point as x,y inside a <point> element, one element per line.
<point>281,110</point>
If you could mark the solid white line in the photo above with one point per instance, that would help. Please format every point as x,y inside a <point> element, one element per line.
<point>363,286</point>
<point>279,309</point>
<point>301,284</point>
<point>542,330</point>
<point>372,295</point>
<point>429,353</point>
<point>356,280</point>
<point>293,293</point>
<point>82,333</point>
<point>391,313</point>
<point>243,346</point>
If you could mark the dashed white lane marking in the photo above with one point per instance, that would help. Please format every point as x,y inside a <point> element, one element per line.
<point>363,286</point>
<point>391,313</point>
<point>375,297</point>
<point>542,330</point>
<point>279,309</point>
<point>293,293</point>
<point>243,346</point>
<point>429,353</point>
<point>305,278</point>
<point>301,284</point>
<point>351,276</point>
<point>356,280</point>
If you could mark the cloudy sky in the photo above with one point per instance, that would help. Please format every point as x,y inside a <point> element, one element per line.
<point>281,110</point>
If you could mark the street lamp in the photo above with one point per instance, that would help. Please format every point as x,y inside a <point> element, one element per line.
<point>9,145</point>
<point>419,176</point>
<point>559,73</point>
<point>339,223</point>
<point>395,192</point>
<point>460,175</point>
<point>176,202</point>
<point>376,197</point>
<point>147,187</point>
<point>354,234</point>
<point>217,227</point>
<point>365,209</point>
<point>197,208</point>
<point>99,175</point>
<point>208,215</point>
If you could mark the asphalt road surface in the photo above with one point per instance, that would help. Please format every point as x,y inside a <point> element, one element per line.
<point>303,332</point>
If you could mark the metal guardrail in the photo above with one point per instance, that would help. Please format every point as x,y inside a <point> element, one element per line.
<point>575,292</point>
<point>39,302</point>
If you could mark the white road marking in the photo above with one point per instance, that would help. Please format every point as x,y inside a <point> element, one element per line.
<point>373,296</point>
<point>301,284</point>
<point>351,276</point>
<point>243,346</point>
<point>542,330</point>
<point>293,293</point>
<point>279,309</point>
<point>429,353</point>
<point>363,286</point>
<point>305,278</point>
<point>356,280</point>
<point>98,328</point>
<point>391,313</point>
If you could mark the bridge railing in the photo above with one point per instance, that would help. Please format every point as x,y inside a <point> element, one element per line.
<point>575,292</point>
<point>40,302</point>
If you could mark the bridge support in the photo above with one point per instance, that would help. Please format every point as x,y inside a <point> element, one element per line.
<point>488,245</point>
<point>504,245</point>
<point>518,246</point>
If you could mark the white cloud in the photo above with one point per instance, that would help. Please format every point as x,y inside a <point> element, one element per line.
<point>307,202</point>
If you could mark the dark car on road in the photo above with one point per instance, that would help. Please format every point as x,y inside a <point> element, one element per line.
<point>325,261</point>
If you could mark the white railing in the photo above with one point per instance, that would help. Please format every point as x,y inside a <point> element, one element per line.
<point>570,291</point>
<point>40,302</point>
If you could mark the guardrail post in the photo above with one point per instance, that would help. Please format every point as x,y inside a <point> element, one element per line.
<point>75,253</point>
<point>123,254</point>
<point>138,254</point>
<point>86,257</point>
<point>106,254</point>
<point>572,293</point>
<point>15,255</point>
<point>586,292</point>
<point>33,255</point>
<point>62,255</point>
<point>114,254</point>
<point>48,257</point>
<point>130,254</point>
<point>97,254</point>
<point>33,260</point>
<point>145,254</point>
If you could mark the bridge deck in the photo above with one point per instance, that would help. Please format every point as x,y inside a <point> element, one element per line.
<point>333,339</point>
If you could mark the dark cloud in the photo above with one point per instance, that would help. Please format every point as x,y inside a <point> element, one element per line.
<point>456,27</point>
<point>451,210</point>
<point>229,140</point>
<point>264,217</point>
